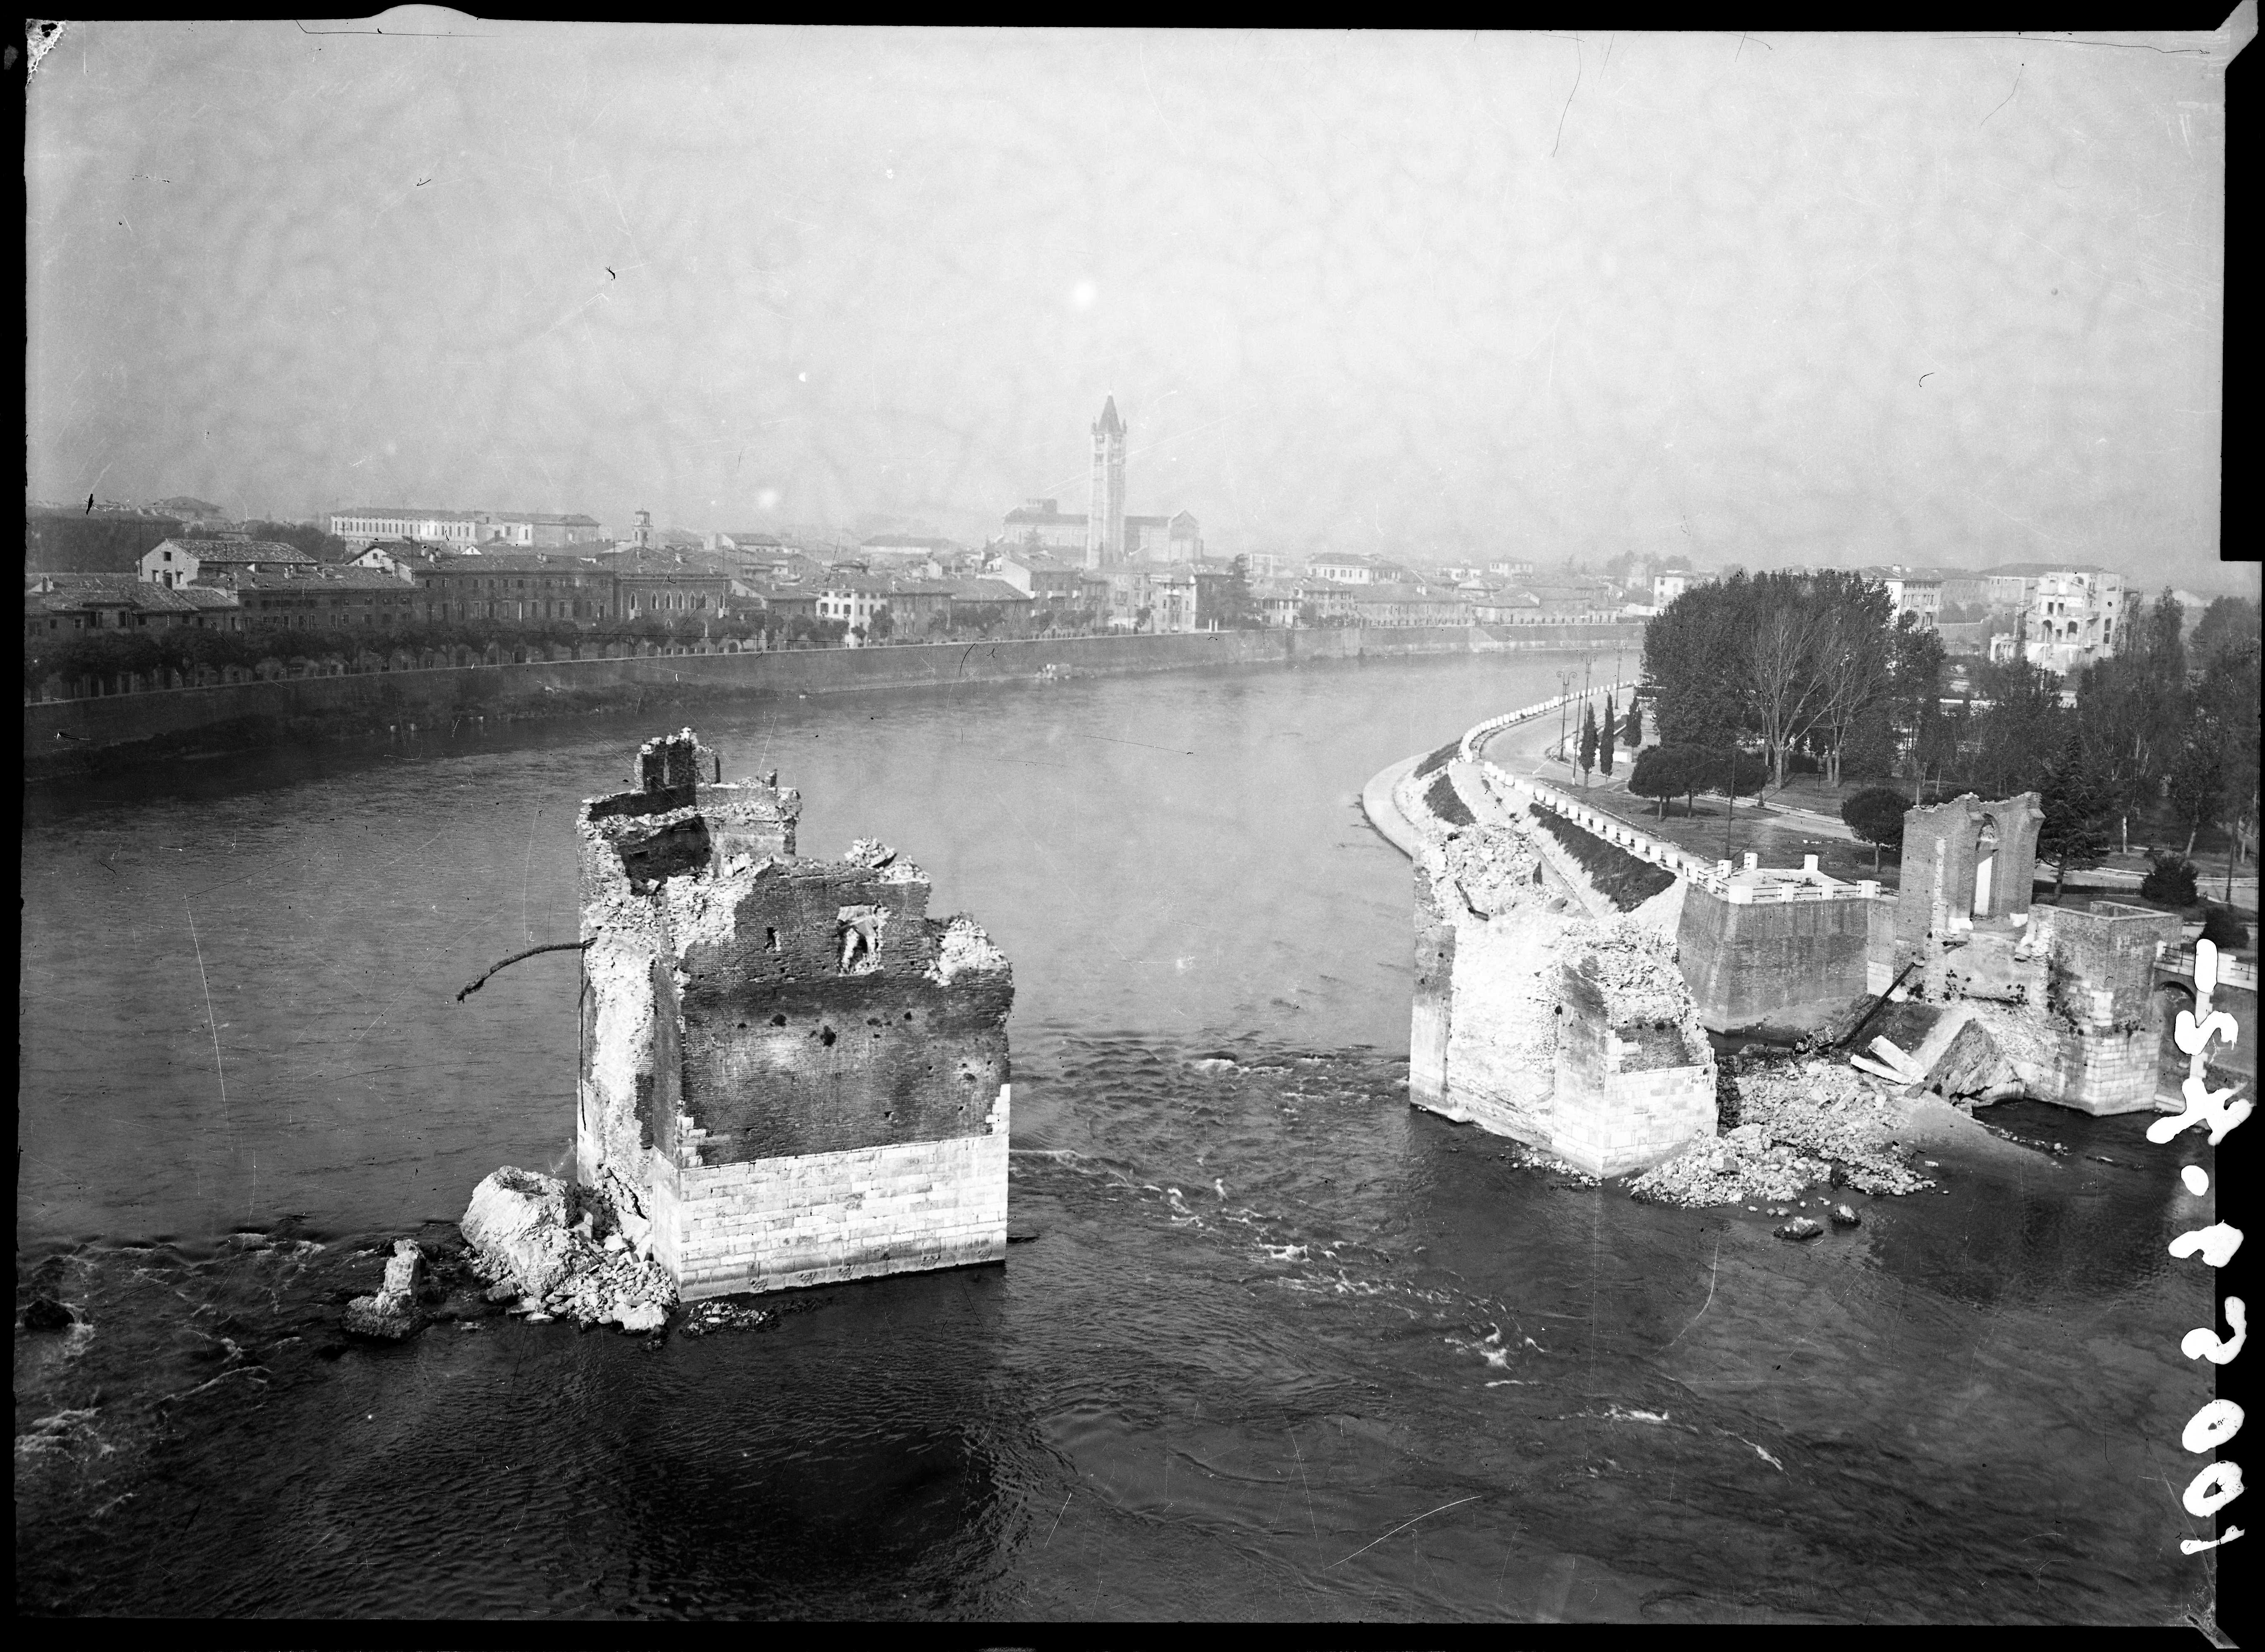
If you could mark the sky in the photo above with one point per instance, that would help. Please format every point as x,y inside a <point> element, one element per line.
<point>1759,298</point>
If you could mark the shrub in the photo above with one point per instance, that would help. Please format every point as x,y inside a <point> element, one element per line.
<point>2222,929</point>
<point>1440,758</point>
<point>1447,803</point>
<point>1617,875</point>
<point>2170,880</point>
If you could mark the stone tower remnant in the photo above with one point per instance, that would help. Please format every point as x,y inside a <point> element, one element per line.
<point>1968,869</point>
<point>1105,518</point>
<point>790,1074</point>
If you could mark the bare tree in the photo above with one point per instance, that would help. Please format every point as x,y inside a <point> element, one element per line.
<point>1781,675</point>
<point>1852,673</point>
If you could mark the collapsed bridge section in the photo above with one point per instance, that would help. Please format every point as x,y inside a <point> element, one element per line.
<point>790,1074</point>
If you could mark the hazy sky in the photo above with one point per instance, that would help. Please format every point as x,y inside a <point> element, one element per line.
<point>1762,298</point>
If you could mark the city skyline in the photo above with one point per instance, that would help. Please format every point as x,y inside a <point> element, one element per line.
<point>1842,300</point>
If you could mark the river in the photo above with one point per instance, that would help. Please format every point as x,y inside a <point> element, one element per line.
<point>1283,1348</point>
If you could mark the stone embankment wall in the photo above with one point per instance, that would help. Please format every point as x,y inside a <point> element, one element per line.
<point>790,1074</point>
<point>63,734</point>
<point>1773,963</point>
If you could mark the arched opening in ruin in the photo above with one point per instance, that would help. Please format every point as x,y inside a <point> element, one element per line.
<point>1985,862</point>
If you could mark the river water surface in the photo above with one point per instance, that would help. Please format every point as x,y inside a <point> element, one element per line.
<point>1283,1348</point>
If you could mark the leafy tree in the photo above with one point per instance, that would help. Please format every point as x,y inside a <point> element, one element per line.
<point>2018,730</point>
<point>2198,776</point>
<point>2170,880</point>
<point>2222,929</point>
<point>883,625</point>
<point>1238,609</point>
<point>2227,697</point>
<point>1868,750</point>
<point>2130,722</point>
<point>1913,694</point>
<point>1876,815</point>
<point>1605,731</point>
<point>2228,621</point>
<point>2161,641</point>
<point>2074,803</point>
<point>1588,747</point>
<point>1689,650</point>
<point>1662,772</point>
<point>1633,732</point>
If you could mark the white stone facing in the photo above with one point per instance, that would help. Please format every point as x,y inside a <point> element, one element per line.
<point>820,1219</point>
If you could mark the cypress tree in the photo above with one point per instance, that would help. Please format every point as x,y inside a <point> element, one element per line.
<point>1588,740</point>
<point>1604,733</point>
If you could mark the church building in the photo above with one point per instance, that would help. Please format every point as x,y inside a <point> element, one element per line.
<point>1103,536</point>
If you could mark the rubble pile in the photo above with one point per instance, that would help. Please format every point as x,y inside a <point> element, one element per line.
<point>1494,866</point>
<point>1803,1123</point>
<point>527,1237</point>
<point>1634,968</point>
<point>718,1315</point>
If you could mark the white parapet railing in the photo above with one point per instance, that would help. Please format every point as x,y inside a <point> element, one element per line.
<point>2230,972</point>
<point>1712,876</point>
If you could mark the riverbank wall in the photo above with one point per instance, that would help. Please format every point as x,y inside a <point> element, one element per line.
<point>65,736</point>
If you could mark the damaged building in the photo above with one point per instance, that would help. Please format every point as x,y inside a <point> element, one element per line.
<point>1954,983</point>
<point>790,1074</point>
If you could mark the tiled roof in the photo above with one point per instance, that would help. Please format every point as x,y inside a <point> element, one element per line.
<point>329,582</point>
<point>140,595</point>
<point>86,581</point>
<point>1023,513</point>
<point>686,565</point>
<point>985,590</point>
<point>495,562</point>
<point>235,550</point>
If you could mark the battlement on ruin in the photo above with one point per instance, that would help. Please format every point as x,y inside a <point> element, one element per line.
<point>790,1074</point>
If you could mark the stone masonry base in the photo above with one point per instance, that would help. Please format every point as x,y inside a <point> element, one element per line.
<point>820,1218</point>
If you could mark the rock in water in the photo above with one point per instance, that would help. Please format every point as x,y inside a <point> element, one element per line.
<point>1843,1217</point>
<point>517,1226</point>
<point>45,1313</point>
<point>1799,1227</point>
<point>391,1314</point>
<point>644,1316</point>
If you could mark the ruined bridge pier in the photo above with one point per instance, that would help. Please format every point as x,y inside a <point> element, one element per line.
<point>1540,1012</point>
<point>790,1074</point>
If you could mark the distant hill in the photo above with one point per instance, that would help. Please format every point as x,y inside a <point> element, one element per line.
<point>104,542</point>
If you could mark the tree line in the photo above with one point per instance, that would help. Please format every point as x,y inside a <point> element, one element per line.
<point>1796,670</point>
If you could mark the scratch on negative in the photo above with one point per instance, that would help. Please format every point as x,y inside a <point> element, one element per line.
<point>1402,1526</point>
<point>1568,109</point>
<point>1708,1303</point>
<point>2009,97</point>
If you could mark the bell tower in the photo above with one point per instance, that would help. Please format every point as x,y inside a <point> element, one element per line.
<point>1105,518</point>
